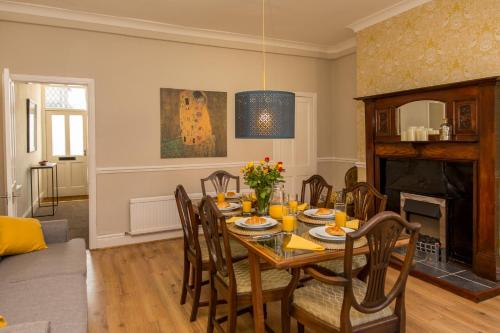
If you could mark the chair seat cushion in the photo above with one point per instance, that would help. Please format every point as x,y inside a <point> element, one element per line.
<point>237,250</point>
<point>324,301</point>
<point>337,265</point>
<point>271,279</point>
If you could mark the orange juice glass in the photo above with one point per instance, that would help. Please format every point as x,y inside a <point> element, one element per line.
<point>340,214</point>
<point>289,222</point>
<point>246,206</point>
<point>221,197</point>
<point>276,211</point>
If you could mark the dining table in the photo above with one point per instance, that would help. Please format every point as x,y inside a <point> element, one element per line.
<point>272,249</point>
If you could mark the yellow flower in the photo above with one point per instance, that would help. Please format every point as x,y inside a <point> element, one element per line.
<point>250,165</point>
<point>266,171</point>
<point>262,162</point>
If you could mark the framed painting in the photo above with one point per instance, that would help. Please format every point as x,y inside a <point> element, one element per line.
<point>31,116</point>
<point>193,123</point>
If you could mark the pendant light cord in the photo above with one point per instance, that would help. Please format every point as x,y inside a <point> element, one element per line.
<point>264,44</point>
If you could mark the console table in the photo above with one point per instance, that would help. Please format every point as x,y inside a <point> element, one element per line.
<point>35,170</point>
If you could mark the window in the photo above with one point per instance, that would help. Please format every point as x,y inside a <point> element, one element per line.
<point>58,135</point>
<point>65,97</point>
<point>76,135</point>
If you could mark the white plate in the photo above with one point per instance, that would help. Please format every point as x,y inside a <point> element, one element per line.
<point>235,196</point>
<point>319,232</point>
<point>312,213</point>
<point>232,206</point>
<point>268,224</point>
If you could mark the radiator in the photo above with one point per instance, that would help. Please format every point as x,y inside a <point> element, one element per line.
<point>154,214</point>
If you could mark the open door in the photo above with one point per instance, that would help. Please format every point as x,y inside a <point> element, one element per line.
<point>10,188</point>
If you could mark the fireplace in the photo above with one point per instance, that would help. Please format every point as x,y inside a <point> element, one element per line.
<point>437,194</point>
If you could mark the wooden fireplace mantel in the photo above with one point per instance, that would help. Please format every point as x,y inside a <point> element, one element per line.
<point>473,109</point>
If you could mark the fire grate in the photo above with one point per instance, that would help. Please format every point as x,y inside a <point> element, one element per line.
<point>430,247</point>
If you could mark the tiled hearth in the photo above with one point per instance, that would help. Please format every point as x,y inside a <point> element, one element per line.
<point>459,276</point>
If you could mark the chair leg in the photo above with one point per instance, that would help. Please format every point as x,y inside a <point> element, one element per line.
<point>232,315</point>
<point>197,292</point>
<point>300,328</point>
<point>185,279</point>
<point>212,305</point>
<point>285,315</point>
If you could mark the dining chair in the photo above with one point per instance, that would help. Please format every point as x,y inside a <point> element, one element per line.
<point>220,181</point>
<point>365,198</point>
<point>317,186</point>
<point>346,304</point>
<point>196,260</point>
<point>350,179</point>
<point>231,280</point>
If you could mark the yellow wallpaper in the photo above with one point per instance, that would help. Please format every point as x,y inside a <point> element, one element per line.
<point>439,42</point>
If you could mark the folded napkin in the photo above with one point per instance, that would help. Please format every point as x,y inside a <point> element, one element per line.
<point>299,243</point>
<point>233,219</point>
<point>353,224</point>
<point>302,207</point>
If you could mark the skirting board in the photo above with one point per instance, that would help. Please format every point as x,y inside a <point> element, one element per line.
<point>121,239</point>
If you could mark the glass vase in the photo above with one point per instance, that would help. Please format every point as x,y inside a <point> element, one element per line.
<point>263,196</point>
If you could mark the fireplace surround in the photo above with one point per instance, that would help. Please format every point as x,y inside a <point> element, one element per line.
<point>468,165</point>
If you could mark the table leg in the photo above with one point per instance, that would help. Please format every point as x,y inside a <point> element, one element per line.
<point>257,301</point>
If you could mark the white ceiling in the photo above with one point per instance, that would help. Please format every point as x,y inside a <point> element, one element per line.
<point>321,22</point>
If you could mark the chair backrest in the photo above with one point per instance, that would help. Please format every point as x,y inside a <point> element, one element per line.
<point>220,181</point>
<point>214,225</point>
<point>317,185</point>
<point>382,232</point>
<point>188,220</point>
<point>365,198</point>
<point>351,178</point>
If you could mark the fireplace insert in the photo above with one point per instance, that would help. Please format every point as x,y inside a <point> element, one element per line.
<point>445,182</point>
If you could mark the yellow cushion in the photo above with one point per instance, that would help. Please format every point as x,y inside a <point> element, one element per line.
<point>20,235</point>
<point>3,322</point>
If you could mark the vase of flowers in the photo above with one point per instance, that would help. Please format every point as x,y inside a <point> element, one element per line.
<point>261,177</point>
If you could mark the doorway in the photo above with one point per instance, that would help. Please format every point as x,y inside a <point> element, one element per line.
<point>65,113</point>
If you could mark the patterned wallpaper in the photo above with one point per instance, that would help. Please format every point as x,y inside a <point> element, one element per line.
<point>439,42</point>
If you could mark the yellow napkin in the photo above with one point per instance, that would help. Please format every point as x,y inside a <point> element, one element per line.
<point>353,224</point>
<point>233,219</point>
<point>299,243</point>
<point>302,207</point>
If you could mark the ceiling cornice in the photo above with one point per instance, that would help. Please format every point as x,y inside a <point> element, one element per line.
<point>52,16</point>
<point>385,14</point>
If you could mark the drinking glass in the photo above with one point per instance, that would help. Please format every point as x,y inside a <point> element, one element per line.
<point>221,197</point>
<point>293,203</point>
<point>246,204</point>
<point>340,214</point>
<point>289,220</point>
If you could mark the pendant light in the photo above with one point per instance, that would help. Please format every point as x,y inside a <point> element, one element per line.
<point>264,114</point>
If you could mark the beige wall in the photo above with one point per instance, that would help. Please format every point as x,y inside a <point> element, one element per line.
<point>128,74</point>
<point>342,123</point>
<point>442,41</point>
<point>24,159</point>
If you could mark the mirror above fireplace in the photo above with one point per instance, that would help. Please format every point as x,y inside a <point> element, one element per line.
<point>416,121</point>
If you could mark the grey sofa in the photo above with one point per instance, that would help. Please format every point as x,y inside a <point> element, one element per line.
<point>46,291</point>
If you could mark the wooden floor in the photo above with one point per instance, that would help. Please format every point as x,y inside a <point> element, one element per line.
<point>136,289</point>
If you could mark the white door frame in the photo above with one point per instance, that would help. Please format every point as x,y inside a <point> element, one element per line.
<point>314,97</point>
<point>92,179</point>
<point>9,142</point>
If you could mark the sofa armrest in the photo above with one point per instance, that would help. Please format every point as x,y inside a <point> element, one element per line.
<point>55,231</point>
<point>34,327</point>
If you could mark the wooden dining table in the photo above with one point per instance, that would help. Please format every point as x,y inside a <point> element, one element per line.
<point>272,249</point>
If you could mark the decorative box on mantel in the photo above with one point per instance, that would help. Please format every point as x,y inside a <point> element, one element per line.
<point>463,172</point>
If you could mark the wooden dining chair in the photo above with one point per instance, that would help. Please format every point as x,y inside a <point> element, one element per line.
<point>220,181</point>
<point>346,304</point>
<point>317,186</point>
<point>365,199</point>
<point>350,179</point>
<point>231,280</point>
<point>196,260</point>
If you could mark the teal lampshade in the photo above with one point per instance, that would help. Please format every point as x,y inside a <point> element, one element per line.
<point>265,114</point>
